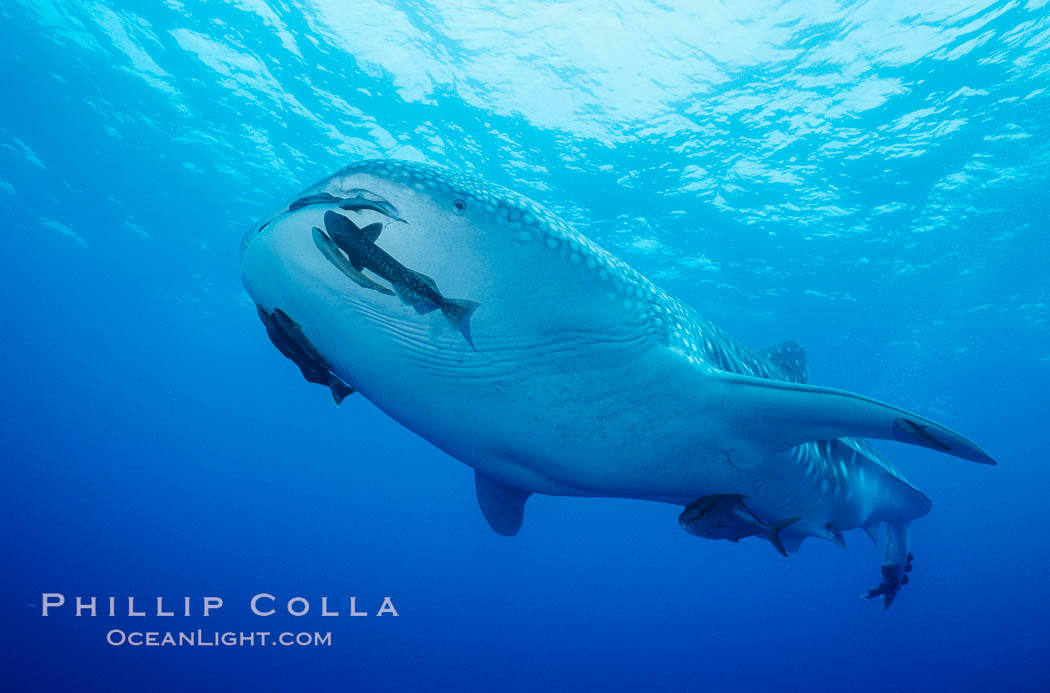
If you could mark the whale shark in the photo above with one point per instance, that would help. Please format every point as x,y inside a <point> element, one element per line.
<point>559,369</point>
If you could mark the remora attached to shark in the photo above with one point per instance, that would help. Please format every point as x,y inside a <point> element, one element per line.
<point>560,370</point>
<point>725,516</point>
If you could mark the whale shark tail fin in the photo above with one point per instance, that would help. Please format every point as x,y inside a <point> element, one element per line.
<point>768,416</point>
<point>458,312</point>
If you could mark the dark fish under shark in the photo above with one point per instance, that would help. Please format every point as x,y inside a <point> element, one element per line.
<point>413,288</point>
<point>334,255</point>
<point>724,516</point>
<point>288,337</point>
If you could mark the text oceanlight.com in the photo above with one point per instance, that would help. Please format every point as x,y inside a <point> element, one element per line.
<point>199,638</point>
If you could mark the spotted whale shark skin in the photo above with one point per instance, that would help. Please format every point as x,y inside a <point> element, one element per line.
<point>584,378</point>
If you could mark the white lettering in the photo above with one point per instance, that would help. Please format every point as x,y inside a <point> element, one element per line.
<point>387,608</point>
<point>305,609</point>
<point>48,600</point>
<point>81,606</point>
<point>212,603</point>
<point>160,608</point>
<point>255,603</point>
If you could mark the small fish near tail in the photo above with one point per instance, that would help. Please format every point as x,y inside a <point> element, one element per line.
<point>896,564</point>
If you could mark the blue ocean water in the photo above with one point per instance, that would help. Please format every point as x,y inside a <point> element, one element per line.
<point>868,179</point>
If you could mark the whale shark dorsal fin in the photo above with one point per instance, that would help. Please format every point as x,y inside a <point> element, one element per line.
<point>502,505</point>
<point>789,358</point>
<point>763,417</point>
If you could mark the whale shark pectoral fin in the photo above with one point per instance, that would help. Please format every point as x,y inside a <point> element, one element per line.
<point>502,505</point>
<point>769,416</point>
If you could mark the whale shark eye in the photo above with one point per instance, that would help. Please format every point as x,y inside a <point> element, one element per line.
<point>459,206</point>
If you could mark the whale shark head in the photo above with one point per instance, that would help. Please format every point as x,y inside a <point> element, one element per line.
<point>424,254</point>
